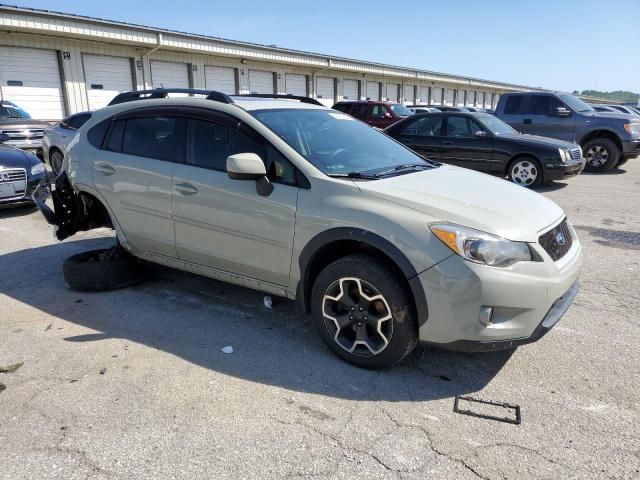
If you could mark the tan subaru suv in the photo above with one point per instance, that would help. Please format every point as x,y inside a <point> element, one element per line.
<point>383,248</point>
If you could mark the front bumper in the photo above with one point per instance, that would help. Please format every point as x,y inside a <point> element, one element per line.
<point>32,146</point>
<point>527,299</point>
<point>37,186</point>
<point>631,148</point>
<point>558,171</point>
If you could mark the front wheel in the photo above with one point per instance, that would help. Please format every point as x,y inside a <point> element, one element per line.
<point>56,159</point>
<point>526,172</point>
<point>363,312</point>
<point>601,155</point>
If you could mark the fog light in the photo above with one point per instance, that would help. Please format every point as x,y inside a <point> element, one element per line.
<point>485,315</point>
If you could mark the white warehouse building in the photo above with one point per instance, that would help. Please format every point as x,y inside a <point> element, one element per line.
<point>54,64</point>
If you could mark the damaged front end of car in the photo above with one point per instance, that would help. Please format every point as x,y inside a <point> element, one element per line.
<point>72,211</point>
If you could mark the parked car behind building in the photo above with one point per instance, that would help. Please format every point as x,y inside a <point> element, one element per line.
<point>57,137</point>
<point>607,139</point>
<point>482,142</point>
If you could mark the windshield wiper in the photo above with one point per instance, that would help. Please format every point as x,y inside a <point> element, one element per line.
<point>406,166</point>
<point>359,175</point>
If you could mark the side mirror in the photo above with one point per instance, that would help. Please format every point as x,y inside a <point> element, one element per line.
<point>387,115</point>
<point>249,166</point>
<point>4,137</point>
<point>480,134</point>
<point>562,112</point>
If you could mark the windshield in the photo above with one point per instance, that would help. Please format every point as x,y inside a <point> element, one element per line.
<point>495,125</point>
<point>11,111</point>
<point>336,143</point>
<point>400,110</point>
<point>576,104</point>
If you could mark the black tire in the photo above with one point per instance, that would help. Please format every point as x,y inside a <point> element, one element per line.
<point>601,154</point>
<point>529,164</point>
<point>101,270</point>
<point>56,157</point>
<point>400,331</point>
<point>622,161</point>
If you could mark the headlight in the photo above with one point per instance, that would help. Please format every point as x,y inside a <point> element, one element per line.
<point>633,129</point>
<point>480,247</point>
<point>38,169</point>
<point>565,155</point>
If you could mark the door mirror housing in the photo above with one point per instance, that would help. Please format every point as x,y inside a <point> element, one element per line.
<point>481,134</point>
<point>4,137</point>
<point>249,166</point>
<point>387,115</point>
<point>562,112</point>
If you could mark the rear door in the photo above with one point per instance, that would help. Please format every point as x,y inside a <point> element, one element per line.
<point>461,146</point>
<point>422,135</point>
<point>225,224</point>
<point>133,172</point>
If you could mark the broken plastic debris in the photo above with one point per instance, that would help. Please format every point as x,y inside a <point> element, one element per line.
<point>103,371</point>
<point>3,387</point>
<point>268,302</point>
<point>227,349</point>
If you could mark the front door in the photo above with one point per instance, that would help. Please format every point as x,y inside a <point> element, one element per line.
<point>541,118</point>
<point>133,174</point>
<point>463,148</point>
<point>223,223</point>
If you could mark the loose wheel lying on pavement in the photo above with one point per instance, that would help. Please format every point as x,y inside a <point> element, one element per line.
<point>100,270</point>
<point>363,311</point>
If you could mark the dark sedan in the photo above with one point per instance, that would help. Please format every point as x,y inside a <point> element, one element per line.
<point>20,175</point>
<point>482,142</point>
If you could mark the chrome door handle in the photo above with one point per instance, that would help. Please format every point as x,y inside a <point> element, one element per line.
<point>104,169</point>
<point>185,188</point>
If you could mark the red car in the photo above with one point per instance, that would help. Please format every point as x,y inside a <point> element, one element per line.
<point>376,113</point>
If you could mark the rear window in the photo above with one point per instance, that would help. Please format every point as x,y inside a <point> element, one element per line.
<point>514,105</point>
<point>158,137</point>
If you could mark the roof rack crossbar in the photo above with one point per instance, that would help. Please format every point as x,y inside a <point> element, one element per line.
<point>300,98</point>
<point>164,92</point>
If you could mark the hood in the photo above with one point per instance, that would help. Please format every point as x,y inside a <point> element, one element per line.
<point>610,115</point>
<point>22,122</point>
<point>471,199</point>
<point>538,140</point>
<point>11,157</point>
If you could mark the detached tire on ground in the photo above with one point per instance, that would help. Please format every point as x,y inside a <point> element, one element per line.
<point>601,155</point>
<point>363,311</point>
<point>101,270</point>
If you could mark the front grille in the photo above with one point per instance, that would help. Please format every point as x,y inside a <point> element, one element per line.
<point>13,183</point>
<point>576,153</point>
<point>24,133</point>
<point>557,241</point>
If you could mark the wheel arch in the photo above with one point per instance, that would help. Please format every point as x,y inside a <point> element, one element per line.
<point>601,133</point>
<point>330,245</point>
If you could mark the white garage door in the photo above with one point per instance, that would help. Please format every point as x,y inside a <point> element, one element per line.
<point>350,90</point>
<point>448,98</point>
<point>169,75</point>
<point>105,78</point>
<point>373,90</point>
<point>436,96</point>
<point>30,78</point>
<point>221,79</point>
<point>325,91</point>
<point>260,81</point>
<point>295,84</point>
<point>408,94</point>
<point>423,95</point>
<point>392,92</point>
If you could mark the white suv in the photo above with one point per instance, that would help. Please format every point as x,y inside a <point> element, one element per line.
<point>382,247</point>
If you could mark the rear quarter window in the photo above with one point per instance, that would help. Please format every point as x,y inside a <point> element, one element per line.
<point>96,134</point>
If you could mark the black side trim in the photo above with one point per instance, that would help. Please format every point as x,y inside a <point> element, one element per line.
<point>355,234</point>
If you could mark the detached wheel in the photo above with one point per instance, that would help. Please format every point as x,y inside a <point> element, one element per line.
<point>363,312</point>
<point>601,155</point>
<point>526,172</point>
<point>56,158</point>
<point>101,270</point>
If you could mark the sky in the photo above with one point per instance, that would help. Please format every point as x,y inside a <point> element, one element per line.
<point>556,44</point>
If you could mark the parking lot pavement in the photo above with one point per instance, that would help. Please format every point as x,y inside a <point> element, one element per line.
<point>133,383</point>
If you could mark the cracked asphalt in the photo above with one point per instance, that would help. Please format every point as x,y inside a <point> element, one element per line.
<point>170,404</point>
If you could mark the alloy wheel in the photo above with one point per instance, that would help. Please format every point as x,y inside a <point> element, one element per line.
<point>56,162</point>
<point>597,156</point>
<point>524,173</point>
<point>357,316</point>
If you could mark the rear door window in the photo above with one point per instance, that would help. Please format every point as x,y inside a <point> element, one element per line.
<point>424,127</point>
<point>514,105</point>
<point>542,105</point>
<point>459,127</point>
<point>360,111</point>
<point>153,137</point>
